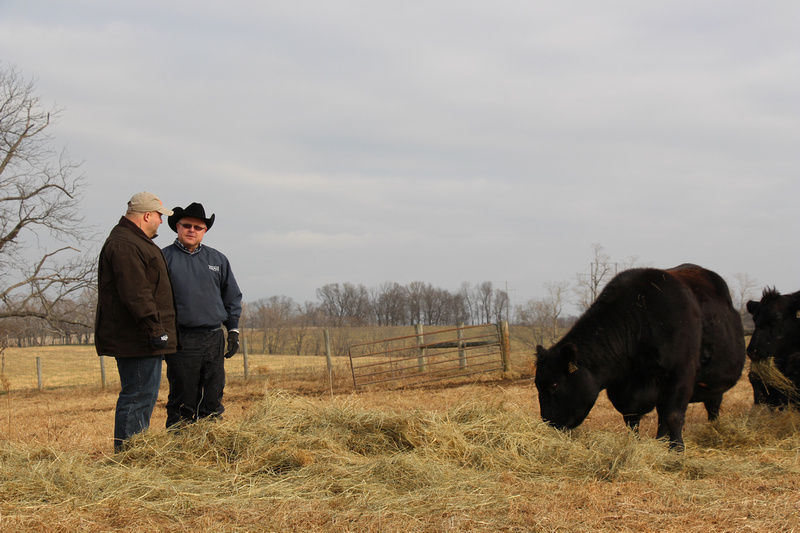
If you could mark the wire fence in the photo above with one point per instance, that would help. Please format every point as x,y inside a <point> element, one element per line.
<point>60,366</point>
<point>427,356</point>
<point>52,367</point>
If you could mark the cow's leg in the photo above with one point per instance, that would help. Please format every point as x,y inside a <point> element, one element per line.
<point>672,412</point>
<point>712,407</point>
<point>670,424</point>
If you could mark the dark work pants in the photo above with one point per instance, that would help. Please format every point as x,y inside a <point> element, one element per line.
<point>196,376</point>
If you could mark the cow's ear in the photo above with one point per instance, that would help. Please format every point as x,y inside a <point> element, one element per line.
<point>570,354</point>
<point>752,306</point>
<point>541,351</point>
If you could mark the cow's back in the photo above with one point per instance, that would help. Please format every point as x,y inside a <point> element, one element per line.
<point>722,353</point>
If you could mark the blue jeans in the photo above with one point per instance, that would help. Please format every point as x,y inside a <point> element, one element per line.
<point>140,378</point>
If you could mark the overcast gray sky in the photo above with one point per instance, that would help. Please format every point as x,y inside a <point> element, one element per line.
<point>435,141</point>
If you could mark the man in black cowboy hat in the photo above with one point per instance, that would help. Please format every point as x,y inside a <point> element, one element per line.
<point>207,298</point>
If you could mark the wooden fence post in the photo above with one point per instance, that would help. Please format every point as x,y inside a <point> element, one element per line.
<point>39,372</point>
<point>462,353</point>
<point>103,381</point>
<point>327,333</point>
<point>505,346</point>
<point>422,362</point>
<point>245,359</point>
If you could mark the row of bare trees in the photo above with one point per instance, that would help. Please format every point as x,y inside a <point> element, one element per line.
<point>30,331</point>
<point>280,325</point>
<point>393,304</point>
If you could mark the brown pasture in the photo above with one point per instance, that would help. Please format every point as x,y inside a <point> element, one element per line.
<point>294,455</point>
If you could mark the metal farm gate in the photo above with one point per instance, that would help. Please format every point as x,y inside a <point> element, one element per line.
<point>431,355</point>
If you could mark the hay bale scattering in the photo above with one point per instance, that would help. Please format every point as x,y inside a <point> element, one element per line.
<point>295,463</point>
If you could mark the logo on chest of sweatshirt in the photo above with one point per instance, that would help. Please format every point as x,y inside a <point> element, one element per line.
<point>213,268</point>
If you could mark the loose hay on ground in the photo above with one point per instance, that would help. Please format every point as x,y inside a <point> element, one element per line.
<point>341,466</point>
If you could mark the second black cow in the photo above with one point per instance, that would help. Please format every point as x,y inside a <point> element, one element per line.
<point>653,339</point>
<point>777,336</point>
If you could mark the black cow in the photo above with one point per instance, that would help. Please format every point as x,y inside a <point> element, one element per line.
<point>653,339</point>
<point>777,335</point>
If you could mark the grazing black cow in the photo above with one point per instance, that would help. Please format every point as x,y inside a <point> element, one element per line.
<point>653,339</point>
<point>777,335</point>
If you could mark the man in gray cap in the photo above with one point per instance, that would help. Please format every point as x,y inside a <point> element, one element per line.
<point>136,314</point>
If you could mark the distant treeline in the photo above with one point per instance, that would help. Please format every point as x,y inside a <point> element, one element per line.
<point>389,304</point>
<point>337,305</point>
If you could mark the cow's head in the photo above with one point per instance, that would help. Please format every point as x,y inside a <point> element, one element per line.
<point>777,321</point>
<point>567,389</point>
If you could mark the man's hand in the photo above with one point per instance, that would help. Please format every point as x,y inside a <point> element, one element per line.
<point>159,343</point>
<point>233,343</point>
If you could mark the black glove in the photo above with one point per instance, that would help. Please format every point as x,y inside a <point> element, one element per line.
<point>159,343</point>
<point>233,344</point>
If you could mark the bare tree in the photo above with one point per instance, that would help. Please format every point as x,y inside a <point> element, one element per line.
<point>345,304</point>
<point>303,319</point>
<point>743,289</point>
<point>40,222</point>
<point>271,317</point>
<point>484,297</point>
<point>540,320</point>
<point>457,308</point>
<point>415,301</point>
<point>468,301</point>
<point>556,298</point>
<point>388,303</point>
<point>435,306</point>
<point>501,306</point>
<point>532,318</point>
<point>600,271</point>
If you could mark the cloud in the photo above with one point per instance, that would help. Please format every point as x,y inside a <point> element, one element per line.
<point>440,141</point>
<point>302,240</point>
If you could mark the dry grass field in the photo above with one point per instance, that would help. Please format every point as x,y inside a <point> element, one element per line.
<point>292,455</point>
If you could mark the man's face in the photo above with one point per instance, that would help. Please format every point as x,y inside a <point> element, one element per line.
<point>150,223</point>
<point>188,233</point>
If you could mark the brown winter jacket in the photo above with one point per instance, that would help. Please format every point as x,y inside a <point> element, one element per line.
<point>134,301</point>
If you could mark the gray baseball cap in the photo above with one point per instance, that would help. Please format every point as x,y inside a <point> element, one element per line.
<point>143,202</point>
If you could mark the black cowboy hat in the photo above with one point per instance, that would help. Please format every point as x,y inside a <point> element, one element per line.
<point>194,210</point>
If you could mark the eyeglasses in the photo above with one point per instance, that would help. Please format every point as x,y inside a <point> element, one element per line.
<point>190,226</point>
